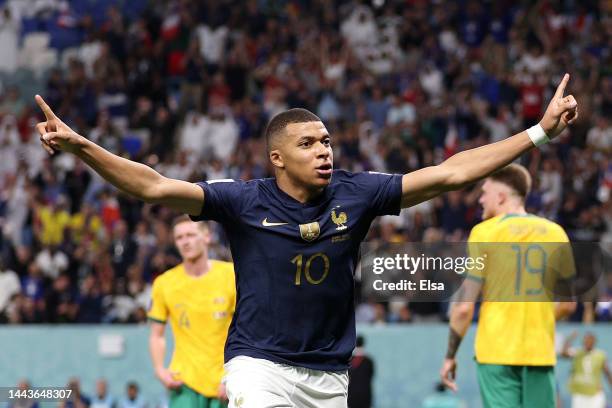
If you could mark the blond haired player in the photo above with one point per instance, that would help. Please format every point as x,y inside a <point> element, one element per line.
<point>198,298</point>
<point>514,347</point>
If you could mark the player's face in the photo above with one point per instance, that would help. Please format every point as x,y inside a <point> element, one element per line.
<point>191,240</point>
<point>491,198</point>
<point>589,342</point>
<point>307,154</point>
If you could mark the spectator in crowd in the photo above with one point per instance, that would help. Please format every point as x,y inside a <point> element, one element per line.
<point>9,287</point>
<point>361,374</point>
<point>132,399</point>
<point>90,303</point>
<point>9,37</point>
<point>102,398</point>
<point>24,385</point>
<point>77,398</point>
<point>589,366</point>
<point>61,301</point>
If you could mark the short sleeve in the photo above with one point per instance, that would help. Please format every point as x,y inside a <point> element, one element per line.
<point>158,311</point>
<point>475,251</point>
<point>231,287</point>
<point>384,192</point>
<point>565,265</point>
<point>561,266</point>
<point>222,200</point>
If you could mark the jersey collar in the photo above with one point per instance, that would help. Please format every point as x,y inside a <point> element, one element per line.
<point>289,201</point>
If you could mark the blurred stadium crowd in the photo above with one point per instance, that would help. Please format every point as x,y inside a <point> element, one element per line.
<point>187,87</point>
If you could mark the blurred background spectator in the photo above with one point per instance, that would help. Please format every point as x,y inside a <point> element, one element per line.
<point>132,398</point>
<point>102,398</point>
<point>361,375</point>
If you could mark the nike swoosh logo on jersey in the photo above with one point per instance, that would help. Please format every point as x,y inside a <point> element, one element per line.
<point>265,223</point>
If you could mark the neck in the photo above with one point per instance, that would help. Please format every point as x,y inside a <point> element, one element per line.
<point>198,266</point>
<point>296,191</point>
<point>512,208</point>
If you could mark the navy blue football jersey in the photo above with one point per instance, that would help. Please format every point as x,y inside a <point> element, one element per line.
<point>294,264</point>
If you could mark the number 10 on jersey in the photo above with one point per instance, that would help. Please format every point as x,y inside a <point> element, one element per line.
<point>312,264</point>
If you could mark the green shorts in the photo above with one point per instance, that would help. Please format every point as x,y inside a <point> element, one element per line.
<point>505,386</point>
<point>185,397</point>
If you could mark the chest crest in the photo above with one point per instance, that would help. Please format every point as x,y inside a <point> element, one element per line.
<point>339,218</point>
<point>311,231</point>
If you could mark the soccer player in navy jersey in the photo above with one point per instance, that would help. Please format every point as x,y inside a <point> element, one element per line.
<point>295,241</point>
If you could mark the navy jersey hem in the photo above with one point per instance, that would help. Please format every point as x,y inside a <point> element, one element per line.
<point>275,359</point>
<point>397,187</point>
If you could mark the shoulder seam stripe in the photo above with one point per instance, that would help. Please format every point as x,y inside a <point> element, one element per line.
<point>220,181</point>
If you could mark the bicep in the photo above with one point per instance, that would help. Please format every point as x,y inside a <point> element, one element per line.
<point>180,195</point>
<point>157,330</point>
<point>424,184</point>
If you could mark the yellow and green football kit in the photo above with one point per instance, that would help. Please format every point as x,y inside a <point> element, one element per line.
<point>199,310</point>
<point>525,257</point>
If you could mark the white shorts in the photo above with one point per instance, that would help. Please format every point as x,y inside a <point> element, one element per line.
<point>257,383</point>
<point>589,401</point>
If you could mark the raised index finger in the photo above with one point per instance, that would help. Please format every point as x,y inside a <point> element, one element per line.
<point>45,108</point>
<point>561,88</point>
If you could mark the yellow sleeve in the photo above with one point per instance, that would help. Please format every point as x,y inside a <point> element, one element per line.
<point>566,258</point>
<point>232,287</point>
<point>476,251</point>
<point>158,311</point>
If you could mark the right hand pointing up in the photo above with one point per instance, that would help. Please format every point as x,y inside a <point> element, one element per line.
<point>55,134</point>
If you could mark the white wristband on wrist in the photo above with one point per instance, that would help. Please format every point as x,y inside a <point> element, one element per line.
<point>537,135</point>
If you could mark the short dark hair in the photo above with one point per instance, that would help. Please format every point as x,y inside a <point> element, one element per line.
<point>516,177</point>
<point>280,121</point>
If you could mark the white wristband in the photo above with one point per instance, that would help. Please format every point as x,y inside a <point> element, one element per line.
<point>537,135</point>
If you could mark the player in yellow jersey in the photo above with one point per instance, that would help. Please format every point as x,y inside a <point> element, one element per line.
<point>515,339</point>
<point>588,366</point>
<point>197,298</point>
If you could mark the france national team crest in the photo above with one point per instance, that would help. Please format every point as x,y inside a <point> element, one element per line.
<point>339,219</point>
<point>310,231</point>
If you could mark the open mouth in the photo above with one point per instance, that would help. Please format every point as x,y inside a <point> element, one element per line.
<point>325,169</point>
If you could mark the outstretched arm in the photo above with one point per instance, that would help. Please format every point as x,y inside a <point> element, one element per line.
<point>472,165</point>
<point>134,178</point>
